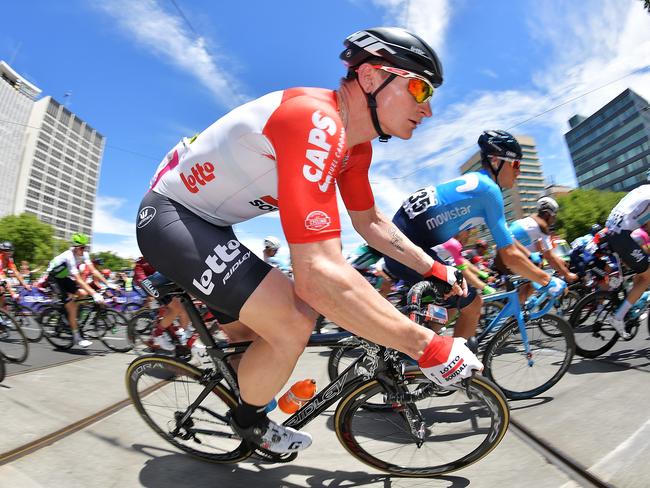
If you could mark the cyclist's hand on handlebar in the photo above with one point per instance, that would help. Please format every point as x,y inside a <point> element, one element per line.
<point>555,287</point>
<point>98,298</point>
<point>450,276</point>
<point>447,360</point>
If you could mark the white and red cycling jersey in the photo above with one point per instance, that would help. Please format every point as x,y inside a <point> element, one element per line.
<point>285,151</point>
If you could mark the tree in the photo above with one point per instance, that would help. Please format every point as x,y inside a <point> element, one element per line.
<point>32,239</point>
<point>646,5</point>
<point>580,209</point>
<point>112,261</point>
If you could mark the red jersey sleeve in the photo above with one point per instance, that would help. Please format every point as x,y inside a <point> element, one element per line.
<point>309,141</point>
<point>353,179</point>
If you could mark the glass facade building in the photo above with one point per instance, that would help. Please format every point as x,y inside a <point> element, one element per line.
<point>611,148</point>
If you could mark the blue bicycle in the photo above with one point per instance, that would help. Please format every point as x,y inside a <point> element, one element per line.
<point>526,351</point>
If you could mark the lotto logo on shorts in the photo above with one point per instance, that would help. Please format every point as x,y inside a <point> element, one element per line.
<point>218,263</point>
<point>201,174</point>
<point>317,220</point>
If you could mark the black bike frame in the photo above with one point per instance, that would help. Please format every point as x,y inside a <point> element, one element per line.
<point>375,356</point>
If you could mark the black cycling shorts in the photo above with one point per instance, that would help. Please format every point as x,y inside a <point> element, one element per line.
<point>206,260</point>
<point>628,250</point>
<point>64,287</point>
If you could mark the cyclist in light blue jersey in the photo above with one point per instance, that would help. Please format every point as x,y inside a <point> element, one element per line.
<point>534,233</point>
<point>433,215</point>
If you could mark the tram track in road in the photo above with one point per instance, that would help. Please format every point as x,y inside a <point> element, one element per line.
<point>565,463</point>
<point>51,438</point>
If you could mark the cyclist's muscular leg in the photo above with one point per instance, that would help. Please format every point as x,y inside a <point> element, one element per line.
<point>283,323</point>
<point>641,283</point>
<point>468,319</point>
<point>71,307</point>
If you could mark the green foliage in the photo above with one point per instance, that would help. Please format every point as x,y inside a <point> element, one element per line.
<point>112,261</point>
<point>580,209</point>
<point>33,240</point>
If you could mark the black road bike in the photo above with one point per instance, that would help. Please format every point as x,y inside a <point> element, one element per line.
<point>391,418</point>
<point>93,320</point>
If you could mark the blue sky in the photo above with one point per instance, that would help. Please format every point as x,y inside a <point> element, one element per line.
<point>145,77</point>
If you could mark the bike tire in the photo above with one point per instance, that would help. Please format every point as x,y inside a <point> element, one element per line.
<point>593,334</point>
<point>129,309</point>
<point>112,330</point>
<point>161,389</point>
<point>361,430</point>
<point>14,346</point>
<point>517,373</point>
<point>28,322</point>
<point>56,330</point>
<point>2,369</point>
<point>140,327</point>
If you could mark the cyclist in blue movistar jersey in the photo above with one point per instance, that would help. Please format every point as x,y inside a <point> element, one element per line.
<point>433,215</point>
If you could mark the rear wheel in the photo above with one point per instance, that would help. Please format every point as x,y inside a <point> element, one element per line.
<point>112,329</point>
<point>590,319</point>
<point>163,390</point>
<point>140,328</point>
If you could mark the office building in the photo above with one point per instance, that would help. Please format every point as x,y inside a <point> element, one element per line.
<point>610,149</point>
<point>17,97</point>
<point>60,169</point>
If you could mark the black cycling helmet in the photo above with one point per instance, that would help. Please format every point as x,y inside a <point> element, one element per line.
<point>6,246</point>
<point>595,229</point>
<point>401,49</point>
<point>498,143</point>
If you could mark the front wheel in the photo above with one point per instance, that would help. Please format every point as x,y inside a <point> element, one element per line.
<point>426,435</point>
<point>163,390</point>
<point>13,343</point>
<point>28,322</point>
<point>112,329</point>
<point>525,373</point>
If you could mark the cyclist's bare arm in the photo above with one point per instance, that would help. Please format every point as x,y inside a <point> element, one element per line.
<point>471,277</point>
<point>379,232</point>
<point>519,263</point>
<point>334,288</point>
<point>97,274</point>
<point>557,263</point>
<point>83,285</point>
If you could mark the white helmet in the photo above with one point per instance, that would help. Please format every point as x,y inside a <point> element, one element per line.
<point>271,242</point>
<point>547,204</point>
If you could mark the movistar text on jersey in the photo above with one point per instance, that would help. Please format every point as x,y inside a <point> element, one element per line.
<point>446,216</point>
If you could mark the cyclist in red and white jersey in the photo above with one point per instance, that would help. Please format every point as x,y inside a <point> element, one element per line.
<point>631,213</point>
<point>7,264</point>
<point>288,151</point>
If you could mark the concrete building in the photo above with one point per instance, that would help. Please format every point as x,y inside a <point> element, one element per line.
<point>17,97</point>
<point>610,149</point>
<point>60,169</point>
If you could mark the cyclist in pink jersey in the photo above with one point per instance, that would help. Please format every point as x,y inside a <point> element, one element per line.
<point>641,237</point>
<point>288,151</point>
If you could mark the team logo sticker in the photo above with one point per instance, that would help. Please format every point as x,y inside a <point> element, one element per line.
<point>317,220</point>
<point>145,216</point>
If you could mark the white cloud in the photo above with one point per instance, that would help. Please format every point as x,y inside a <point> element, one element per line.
<point>123,246</point>
<point>426,18</point>
<point>165,36</point>
<point>588,46</point>
<point>105,220</point>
